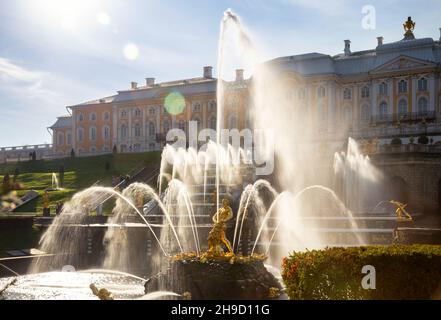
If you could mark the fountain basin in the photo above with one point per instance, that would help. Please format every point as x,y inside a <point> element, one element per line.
<point>70,286</point>
<point>218,279</point>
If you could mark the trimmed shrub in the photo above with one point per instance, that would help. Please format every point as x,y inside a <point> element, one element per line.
<point>402,272</point>
<point>396,141</point>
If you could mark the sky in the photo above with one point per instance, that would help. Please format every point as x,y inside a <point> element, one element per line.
<point>56,53</point>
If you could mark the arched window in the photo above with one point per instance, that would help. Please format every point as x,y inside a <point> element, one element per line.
<point>80,134</point>
<point>152,111</point>
<point>348,114</point>
<point>232,122</point>
<point>181,125</point>
<point>123,131</point>
<point>402,108</point>
<point>106,132</point>
<point>365,113</point>
<point>347,94</point>
<point>402,86</point>
<point>422,106</point>
<point>152,129</point>
<point>92,116</point>
<point>123,113</point>
<point>383,89</point>
<point>69,138</point>
<point>321,92</point>
<point>213,123</point>
<point>106,116</point>
<point>137,112</point>
<point>212,106</point>
<point>166,126</point>
<point>60,139</point>
<point>422,85</point>
<point>365,92</point>
<point>383,110</point>
<point>197,107</point>
<point>137,130</point>
<point>80,117</point>
<point>92,133</point>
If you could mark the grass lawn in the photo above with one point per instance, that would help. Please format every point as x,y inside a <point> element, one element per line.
<point>79,173</point>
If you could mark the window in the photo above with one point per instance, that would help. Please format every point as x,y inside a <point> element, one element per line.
<point>422,85</point>
<point>69,138</point>
<point>166,126</point>
<point>123,113</point>
<point>80,117</point>
<point>92,149</point>
<point>152,129</point>
<point>80,134</point>
<point>365,92</point>
<point>106,116</point>
<point>422,106</point>
<point>92,133</point>
<point>212,106</point>
<point>123,131</point>
<point>106,132</point>
<point>321,92</point>
<point>402,86</point>
<point>232,122</point>
<point>347,94</point>
<point>197,107</point>
<point>152,111</point>
<point>383,89</point>
<point>348,114</point>
<point>402,108</point>
<point>60,139</point>
<point>137,112</point>
<point>365,113</point>
<point>383,110</point>
<point>92,116</point>
<point>137,130</point>
<point>213,123</point>
<point>181,125</point>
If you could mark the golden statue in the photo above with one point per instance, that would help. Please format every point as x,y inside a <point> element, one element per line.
<point>409,26</point>
<point>401,211</point>
<point>102,294</point>
<point>217,237</point>
<point>46,200</point>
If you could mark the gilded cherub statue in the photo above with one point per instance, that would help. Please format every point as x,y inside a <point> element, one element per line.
<point>217,237</point>
<point>401,211</point>
<point>102,294</point>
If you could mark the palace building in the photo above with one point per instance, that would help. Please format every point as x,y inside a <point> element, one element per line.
<point>390,91</point>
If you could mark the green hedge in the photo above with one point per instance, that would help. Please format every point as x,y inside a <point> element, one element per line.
<point>402,272</point>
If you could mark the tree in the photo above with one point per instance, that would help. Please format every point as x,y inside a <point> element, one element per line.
<point>72,153</point>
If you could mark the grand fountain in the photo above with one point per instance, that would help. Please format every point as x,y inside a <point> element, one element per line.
<point>154,245</point>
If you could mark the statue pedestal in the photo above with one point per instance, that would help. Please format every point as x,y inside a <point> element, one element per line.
<point>217,279</point>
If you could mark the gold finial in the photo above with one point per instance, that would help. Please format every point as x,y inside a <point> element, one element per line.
<point>409,26</point>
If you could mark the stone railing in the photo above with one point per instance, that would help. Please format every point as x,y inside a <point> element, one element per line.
<point>23,153</point>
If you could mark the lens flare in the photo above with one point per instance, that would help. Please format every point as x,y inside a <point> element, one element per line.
<point>103,18</point>
<point>131,51</point>
<point>174,103</point>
